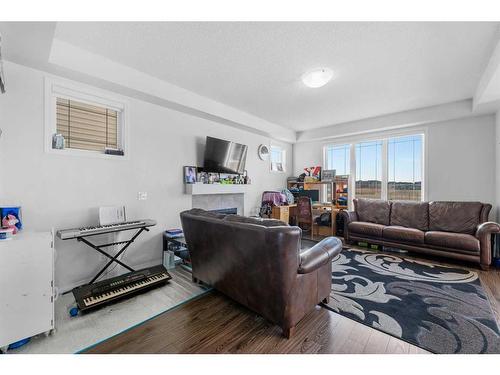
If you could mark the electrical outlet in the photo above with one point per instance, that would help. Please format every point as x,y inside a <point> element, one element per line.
<point>142,195</point>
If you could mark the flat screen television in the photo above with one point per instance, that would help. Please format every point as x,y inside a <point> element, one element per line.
<point>224,156</point>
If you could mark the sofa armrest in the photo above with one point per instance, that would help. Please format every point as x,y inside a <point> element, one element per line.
<point>483,234</point>
<point>320,254</point>
<point>487,228</point>
<point>349,217</point>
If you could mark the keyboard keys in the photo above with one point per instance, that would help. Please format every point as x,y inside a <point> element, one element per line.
<point>101,297</point>
<point>102,229</point>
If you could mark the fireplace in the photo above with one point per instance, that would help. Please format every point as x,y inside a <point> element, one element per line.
<point>225,203</point>
<point>226,211</point>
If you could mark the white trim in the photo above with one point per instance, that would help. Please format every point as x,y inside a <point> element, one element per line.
<point>384,176</point>
<point>376,136</point>
<point>55,87</point>
<point>205,189</point>
<point>427,116</point>
<point>83,95</point>
<point>425,161</point>
<point>86,154</point>
<point>351,189</point>
<point>143,86</point>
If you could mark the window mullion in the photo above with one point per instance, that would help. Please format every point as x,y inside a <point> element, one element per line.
<point>351,192</point>
<point>385,169</point>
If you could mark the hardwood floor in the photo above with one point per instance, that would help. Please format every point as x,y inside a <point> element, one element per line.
<point>216,324</point>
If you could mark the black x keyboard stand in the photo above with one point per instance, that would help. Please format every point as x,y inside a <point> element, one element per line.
<point>98,293</point>
<point>113,259</point>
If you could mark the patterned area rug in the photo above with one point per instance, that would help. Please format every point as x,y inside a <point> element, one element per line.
<point>440,309</point>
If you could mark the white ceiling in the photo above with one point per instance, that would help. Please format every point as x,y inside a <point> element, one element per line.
<point>256,67</point>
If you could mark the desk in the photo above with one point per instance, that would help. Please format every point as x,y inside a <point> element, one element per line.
<point>319,208</point>
<point>284,213</point>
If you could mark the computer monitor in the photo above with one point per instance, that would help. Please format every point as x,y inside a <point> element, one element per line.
<point>313,194</point>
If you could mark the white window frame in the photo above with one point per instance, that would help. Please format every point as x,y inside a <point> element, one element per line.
<point>58,88</point>
<point>384,137</point>
<point>283,158</point>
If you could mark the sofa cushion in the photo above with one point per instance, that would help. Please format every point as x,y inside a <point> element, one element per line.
<point>373,210</point>
<point>398,233</point>
<point>365,229</point>
<point>410,214</point>
<point>255,220</point>
<point>460,241</point>
<point>458,217</point>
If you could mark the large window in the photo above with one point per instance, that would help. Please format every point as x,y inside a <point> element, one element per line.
<point>405,168</point>
<point>369,169</point>
<point>389,168</point>
<point>338,158</point>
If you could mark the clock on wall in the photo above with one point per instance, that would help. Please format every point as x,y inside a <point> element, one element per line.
<point>263,152</point>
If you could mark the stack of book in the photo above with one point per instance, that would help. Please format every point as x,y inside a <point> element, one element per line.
<point>174,233</point>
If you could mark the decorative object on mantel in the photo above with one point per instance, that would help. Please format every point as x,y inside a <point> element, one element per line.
<point>2,78</point>
<point>246,179</point>
<point>189,174</point>
<point>196,175</point>
<point>202,178</point>
<point>263,152</point>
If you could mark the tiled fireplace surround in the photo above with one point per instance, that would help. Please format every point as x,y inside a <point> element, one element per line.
<point>219,201</point>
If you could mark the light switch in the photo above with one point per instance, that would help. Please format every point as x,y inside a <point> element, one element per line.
<point>142,195</point>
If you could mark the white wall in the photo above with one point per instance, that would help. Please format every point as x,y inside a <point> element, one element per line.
<point>460,158</point>
<point>63,191</point>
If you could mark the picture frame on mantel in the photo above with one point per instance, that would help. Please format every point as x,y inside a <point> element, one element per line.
<point>190,174</point>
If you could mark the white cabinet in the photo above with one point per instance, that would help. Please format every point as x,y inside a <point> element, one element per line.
<point>26,286</point>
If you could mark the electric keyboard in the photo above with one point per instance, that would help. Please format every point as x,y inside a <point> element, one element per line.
<point>66,234</point>
<point>103,292</point>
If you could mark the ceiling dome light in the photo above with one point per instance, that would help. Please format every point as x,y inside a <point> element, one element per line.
<point>317,77</point>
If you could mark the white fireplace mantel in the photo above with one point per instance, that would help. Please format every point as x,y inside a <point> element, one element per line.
<point>203,189</point>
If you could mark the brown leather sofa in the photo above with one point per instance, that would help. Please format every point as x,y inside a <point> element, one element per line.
<point>457,230</point>
<point>259,263</point>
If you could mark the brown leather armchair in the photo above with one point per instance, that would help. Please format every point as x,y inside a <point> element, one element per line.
<point>259,263</point>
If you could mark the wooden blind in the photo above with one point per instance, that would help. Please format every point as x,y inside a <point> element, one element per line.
<point>86,127</point>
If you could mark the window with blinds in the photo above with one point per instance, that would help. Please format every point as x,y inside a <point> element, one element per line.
<point>85,126</point>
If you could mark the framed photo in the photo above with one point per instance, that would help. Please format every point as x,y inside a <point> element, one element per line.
<point>328,175</point>
<point>189,175</point>
<point>202,177</point>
